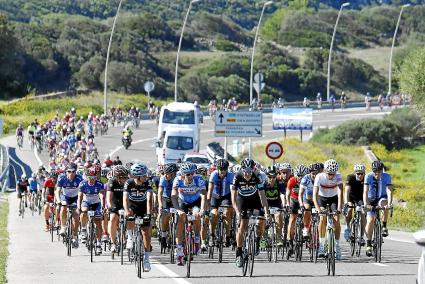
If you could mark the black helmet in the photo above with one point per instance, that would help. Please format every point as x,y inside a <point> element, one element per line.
<point>247,163</point>
<point>314,167</point>
<point>377,165</point>
<point>222,164</point>
<point>271,171</point>
<point>170,168</point>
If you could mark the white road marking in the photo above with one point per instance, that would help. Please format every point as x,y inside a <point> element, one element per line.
<point>118,148</point>
<point>381,264</point>
<point>170,273</point>
<point>37,157</point>
<point>400,240</point>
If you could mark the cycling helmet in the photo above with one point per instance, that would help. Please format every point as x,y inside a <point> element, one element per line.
<point>53,174</point>
<point>160,169</point>
<point>23,176</point>
<point>285,167</point>
<point>203,171</point>
<point>331,166</point>
<point>41,169</point>
<point>139,170</point>
<point>247,163</point>
<point>128,166</point>
<point>321,166</point>
<point>187,168</point>
<point>377,165</point>
<point>91,173</point>
<point>72,167</point>
<point>193,167</point>
<point>222,164</point>
<point>170,169</point>
<point>236,169</point>
<point>314,167</point>
<point>33,175</point>
<point>359,168</point>
<point>301,170</point>
<point>271,171</point>
<point>104,171</point>
<point>119,171</point>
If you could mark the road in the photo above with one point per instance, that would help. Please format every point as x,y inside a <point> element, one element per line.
<point>34,259</point>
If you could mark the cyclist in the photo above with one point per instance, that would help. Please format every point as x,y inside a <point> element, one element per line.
<point>33,188</point>
<point>219,194</point>
<point>189,192</point>
<point>164,199</point>
<point>353,196</point>
<point>31,131</point>
<point>248,195</point>
<point>292,195</point>
<point>127,133</point>
<point>20,133</point>
<point>22,188</point>
<point>305,195</point>
<point>275,190</point>
<point>90,197</point>
<point>327,190</point>
<point>137,201</point>
<point>319,101</point>
<point>114,195</point>
<point>48,194</point>
<point>67,193</point>
<point>343,100</point>
<point>285,173</point>
<point>377,192</point>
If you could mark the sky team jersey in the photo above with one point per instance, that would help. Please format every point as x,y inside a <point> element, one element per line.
<point>167,187</point>
<point>189,193</point>
<point>307,184</point>
<point>69,187</point>
<point>249,187</point>
<point>377,188</point>
<point>221,185</point>
<point>137,192</point>
<point>328,187</point>
<point>91,192</point>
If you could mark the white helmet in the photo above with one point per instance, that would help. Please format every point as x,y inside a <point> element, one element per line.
<point>331,166</point>
<point>23,176</point>
<point>359,168</point>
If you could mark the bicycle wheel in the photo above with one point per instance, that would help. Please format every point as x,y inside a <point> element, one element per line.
<point>251,252</point>
<point>245,254</point>
<point>298,242</point>
<point>91,239</point>
<point>52,225</point>
<point>377,241</point>
<point>331,250</point>
<point>353,236</point>
<point>139,255</point>
<point>189,250</point>
<point>270,233</point>
<point>359,237</point>
<point>221,240</point>
<point>122,241</point>
<point>315,242</point>
<point>69,237</point>
<point>274,243</point>
<point>285,237</point>
<point>172,236</point>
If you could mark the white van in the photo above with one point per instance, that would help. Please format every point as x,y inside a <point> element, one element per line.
<point>177,115</point>
<point>176,143</point>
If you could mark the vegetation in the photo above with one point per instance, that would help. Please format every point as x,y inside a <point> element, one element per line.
<point>400,129</point>
<point>26,110</point>
<point>4,236</point>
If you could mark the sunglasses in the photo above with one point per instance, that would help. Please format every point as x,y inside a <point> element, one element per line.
<point>70,172</point>
<point>247,172</point>
<point>330,174</point>
<point>189,175</point>
<point>91,178</point>
<point>359,174</point>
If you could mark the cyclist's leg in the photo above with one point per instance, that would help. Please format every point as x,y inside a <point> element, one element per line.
<point>307,217</point>
<point>113,224</point>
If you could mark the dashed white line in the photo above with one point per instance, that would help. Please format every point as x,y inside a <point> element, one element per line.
<point>174,276</point>
<point>380,264</point>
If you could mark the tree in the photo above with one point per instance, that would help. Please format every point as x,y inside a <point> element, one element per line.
<point>89,74</point>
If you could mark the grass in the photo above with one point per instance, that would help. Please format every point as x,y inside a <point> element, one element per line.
<point>26,110</point>
<point>4,209</point>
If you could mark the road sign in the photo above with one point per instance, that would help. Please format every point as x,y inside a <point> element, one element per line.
<point>274,150</point>
<point>238,124</point>
<point>259,77</point>
<point>259,86</point>
<point>292,118</point>
<point>149,86</point>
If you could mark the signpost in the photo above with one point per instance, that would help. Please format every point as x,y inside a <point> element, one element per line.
<point>274,151</point>
<point>149,87</point>
<point>293,119</point>
<point>238,124</point>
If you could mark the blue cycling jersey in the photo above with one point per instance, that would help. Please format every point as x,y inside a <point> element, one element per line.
<point>69,187</point>
<point>308,185</point>
<point>189,193</point>
<point>91,192</point>
<point>33,184</point>
<point>167,187</point>
<point>377,188</point>
<point>221,185</point>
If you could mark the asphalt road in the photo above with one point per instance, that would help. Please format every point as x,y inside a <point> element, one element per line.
<point>34,259</point>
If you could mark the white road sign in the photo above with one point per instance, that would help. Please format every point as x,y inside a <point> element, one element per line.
<point>238,124</point>
<point>149,86</point>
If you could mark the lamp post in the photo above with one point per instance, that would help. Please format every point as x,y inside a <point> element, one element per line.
<point>105,87</point>
<point>252,61</point>
<point>328,86</point>
<point>180,45</point>
<point>392,48</point>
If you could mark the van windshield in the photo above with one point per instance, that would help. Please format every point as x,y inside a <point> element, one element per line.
<point>176,117</point>
<point>179,143</point>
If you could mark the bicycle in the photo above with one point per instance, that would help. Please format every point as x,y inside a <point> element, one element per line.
<point>20,141</point>
<point>38,203</point>
<point>221,232</point>
<point>91,240</point>
<point>272,249</point>
<point>68,234</point>
<point>32,203</point>
<point>377,240</point>
<point>248,249</point>
<point>285,249</point>
<point>313,242</point>
<point>139,247</point>
<point>22,204</point>
<point>299,240</point>
<point>52,217</point>
<point>330,243</point>
<point>172,225</point>
<point>356,230</point>
<point>122,224</point>
<point>189,244</point>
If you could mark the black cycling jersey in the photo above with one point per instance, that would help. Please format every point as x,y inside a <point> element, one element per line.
<point>356,188</point>
<point>273,192</point>
<point>137,193</point>
<point>117,191</point>
<point>247,188</point>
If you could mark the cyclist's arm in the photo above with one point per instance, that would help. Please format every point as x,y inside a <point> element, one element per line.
<point>264,201</point>
<point>203,200</point>
<point>57,193</point>
<point>315,197</point>
<point>340,196</point>
<point>80,199</point>
<point>149,202</point>
<point>125,201</point>
<point>174,198</point>
<point>365,193</point>
<point>160,191</point>
<point>109,199</point>
<point>210,190</point>
<point>300,195</point>
<point>390,194</point>
<point>347,189</point>
<point>234,195</point>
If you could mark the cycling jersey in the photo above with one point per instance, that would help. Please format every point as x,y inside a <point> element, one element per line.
<point>91,192</point>
<point>328,187</point>
<point>221,186</point>
<point>355,193</point>
<point>167,187</point>
<point>117,190</point>
<point>155,183</point>
<point>189,193</point>
<point>294,187</point>
<point>247,188</point>
<point>33,184</point>
<point>22,185</point>
<point>49,187</point>
<point>377,188</point>
<point>273,192</point>
<point>307,184</point>
<point>69,187</point>
<point>137,193</point>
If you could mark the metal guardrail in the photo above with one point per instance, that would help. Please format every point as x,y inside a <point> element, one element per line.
<point>4,177</point>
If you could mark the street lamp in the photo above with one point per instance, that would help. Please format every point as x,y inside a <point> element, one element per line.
<point>252,61</point>
<point>105,87</point>
<point>180,45</point>
<point>392,47</point>
<point>328,86</point>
